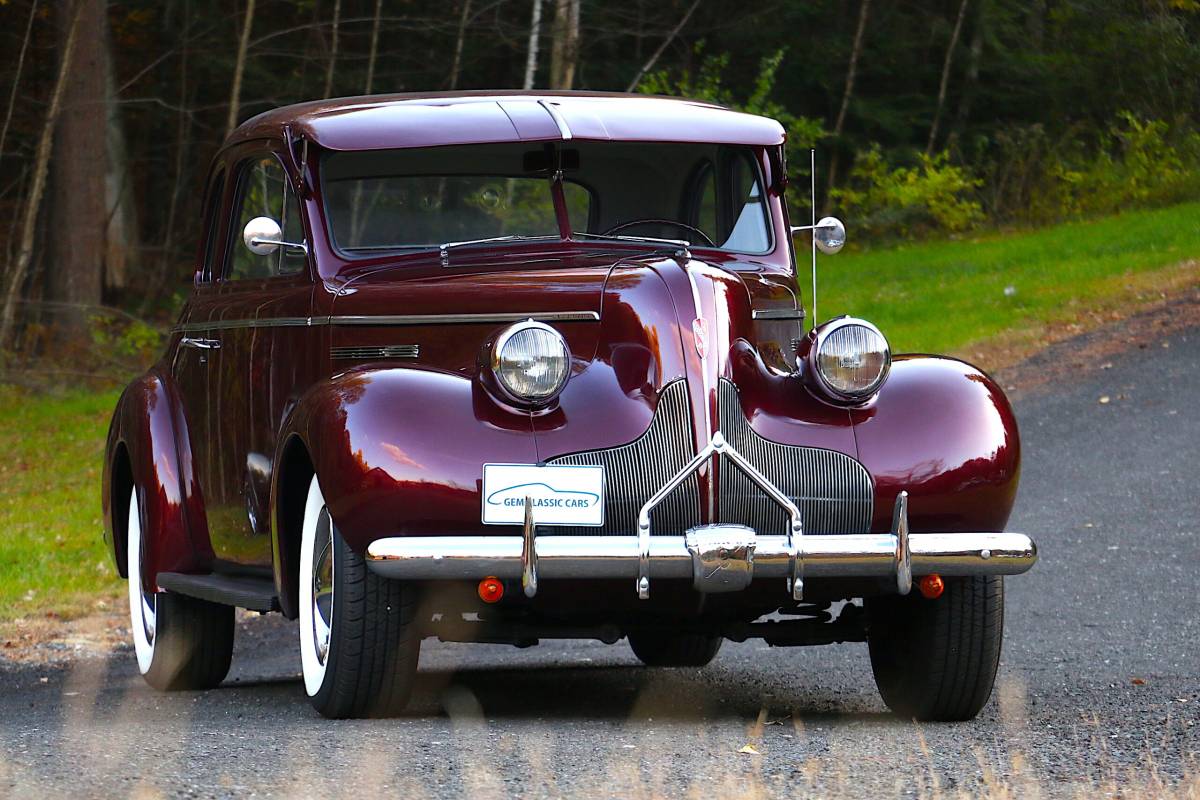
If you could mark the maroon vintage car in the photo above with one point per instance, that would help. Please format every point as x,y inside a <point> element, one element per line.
<point>502,367</point>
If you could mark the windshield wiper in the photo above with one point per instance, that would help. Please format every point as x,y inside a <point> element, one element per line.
<point>681,244</point>
<point>445,247</point>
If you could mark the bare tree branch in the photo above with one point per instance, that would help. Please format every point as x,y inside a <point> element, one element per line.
<point>236,91</point>
<point>374,47</point>
<point>456,64</point>
<point>650,62</point>
<point>333,49</point>
<point>941,99</point>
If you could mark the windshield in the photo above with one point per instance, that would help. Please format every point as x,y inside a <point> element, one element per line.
<point>709,195</point>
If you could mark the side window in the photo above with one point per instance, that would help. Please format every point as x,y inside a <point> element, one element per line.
<point>749,233</point>
<point>212,225</point>
<point>264,191</point>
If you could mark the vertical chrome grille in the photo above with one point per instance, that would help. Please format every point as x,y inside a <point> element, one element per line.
<point>834,492</point>
<point>634,472</point>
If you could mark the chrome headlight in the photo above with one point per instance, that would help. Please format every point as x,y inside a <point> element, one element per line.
<point>851,357</point>
<point>531,361</point>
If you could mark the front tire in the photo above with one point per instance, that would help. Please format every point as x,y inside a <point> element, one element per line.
<point>358,639</point>
<point>666,649</point>
<point>181,642</point>
<point>936,660</point>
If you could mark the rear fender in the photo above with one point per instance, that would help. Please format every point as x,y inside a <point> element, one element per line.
<point>148,448</point>
<point>397,451</point>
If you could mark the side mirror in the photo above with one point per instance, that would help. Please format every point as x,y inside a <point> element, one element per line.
<point>830,235</point>
<point>262,236</point>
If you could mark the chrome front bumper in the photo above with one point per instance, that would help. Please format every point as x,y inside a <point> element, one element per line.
<point>716,557</point>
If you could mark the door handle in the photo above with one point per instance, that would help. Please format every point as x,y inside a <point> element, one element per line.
<point>200,344</point>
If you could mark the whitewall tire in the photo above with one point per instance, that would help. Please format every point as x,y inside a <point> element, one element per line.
<point>359,641</point>
<point>180,642</point>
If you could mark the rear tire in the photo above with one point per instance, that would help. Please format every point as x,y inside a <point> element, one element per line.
<point>359,643</point>
<point>936,660</point>
<point>181,642</point>
<point>663,649</point>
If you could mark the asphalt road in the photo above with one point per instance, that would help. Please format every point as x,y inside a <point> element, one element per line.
<point>1099,689</point>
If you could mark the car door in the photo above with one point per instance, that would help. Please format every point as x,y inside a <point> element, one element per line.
<point>196,350</point>
<point>264,303</point>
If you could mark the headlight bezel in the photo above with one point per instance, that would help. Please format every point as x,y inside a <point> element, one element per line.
<point>496,363</point>
<point>818,339</point>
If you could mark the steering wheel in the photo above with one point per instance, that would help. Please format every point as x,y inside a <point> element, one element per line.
<point>674,223</point>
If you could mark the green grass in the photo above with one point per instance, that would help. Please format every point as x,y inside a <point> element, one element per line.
<point>949,297</point>
<point>935,297</point>
<point>52,558</point>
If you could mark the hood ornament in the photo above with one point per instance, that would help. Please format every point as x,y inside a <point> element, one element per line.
<point>700,334</point>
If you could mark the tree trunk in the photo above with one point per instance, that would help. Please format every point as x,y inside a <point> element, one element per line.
<point>531,58</point>
<point>79,170</point>
<point>183,123</point>
<point>374,47</point>
<point>851,70</point>
<point>564,52</point>
<point>456,64</point>
<point>941,98</point>
<point>37,187</point>
<point>971,80</point>
<point>235,93</point>
<point>121,236</point>
<point>333,48</point>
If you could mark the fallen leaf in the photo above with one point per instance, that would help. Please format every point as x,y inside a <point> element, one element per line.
<point>1138,682</point>
<point>750,750</point>
<point>1105,400</point>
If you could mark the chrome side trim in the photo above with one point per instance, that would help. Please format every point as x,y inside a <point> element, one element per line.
<point>846,556</point>
<point>386,319</point>
<point>464,319</point>
<point>563,130</point>
<point>778,313</point>
<point>718,446</point>
<point>236,324</point>
<point>367,353</point>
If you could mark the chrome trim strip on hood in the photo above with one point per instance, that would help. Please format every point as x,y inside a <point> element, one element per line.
<point>387,319</point>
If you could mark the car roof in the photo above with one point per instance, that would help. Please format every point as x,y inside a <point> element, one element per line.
<point>379,122</point>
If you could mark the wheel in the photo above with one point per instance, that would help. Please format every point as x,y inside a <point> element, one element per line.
<point>937,659</point>
<point>664,649</point>
<point>358,641</point>
<point>180,642</point>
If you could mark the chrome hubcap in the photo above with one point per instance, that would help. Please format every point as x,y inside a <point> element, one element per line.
<point>322,586</point>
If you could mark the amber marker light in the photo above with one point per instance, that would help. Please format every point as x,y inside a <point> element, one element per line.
<point>931,587</point>
<point>491,589</point>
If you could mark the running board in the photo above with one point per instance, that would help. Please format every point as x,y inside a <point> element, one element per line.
<point>242,591</point>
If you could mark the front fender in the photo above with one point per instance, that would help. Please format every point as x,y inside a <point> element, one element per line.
<point>148,448</point>
<point>397,451</point>
<point>944,431</point>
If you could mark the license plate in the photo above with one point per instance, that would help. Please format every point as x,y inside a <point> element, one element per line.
<point>559,494</point>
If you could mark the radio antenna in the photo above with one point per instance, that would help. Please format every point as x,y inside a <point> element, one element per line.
<point>833,232</point>
<point>812,175</point>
